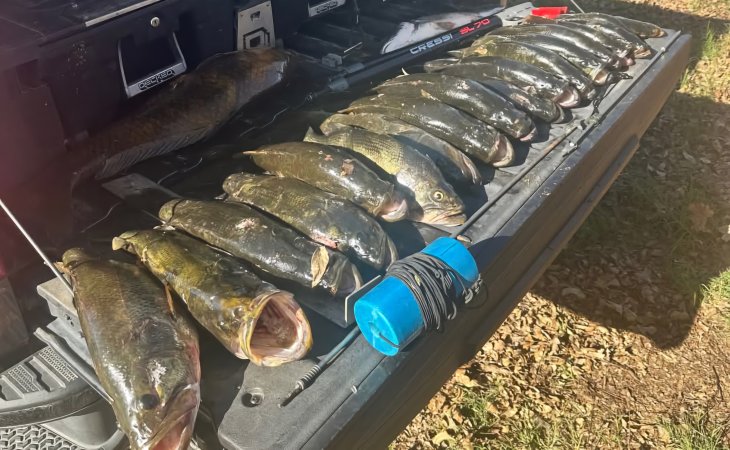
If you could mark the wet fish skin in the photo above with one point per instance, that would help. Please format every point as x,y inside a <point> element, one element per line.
<point>185,111</point>
<point>473,137</point>
<point>597,70</point>
<point>642,29</point>
<point>143,348</point>
<point>466,95</point>
<point>323,217</point>
<point>538,57</point>
<point>539,107</point>
<point>455,165</point>
<point>612,27</point>
<point>565,34</point>
<point>270,247</point>
<point>251,318</point>
<point>525,76</point>
<point>433,200</point>
<point>333,170</point>
<point>621,48</point>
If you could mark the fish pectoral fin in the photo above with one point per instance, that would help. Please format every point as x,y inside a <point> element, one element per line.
<point>319,263</point>
<point>170,302</point>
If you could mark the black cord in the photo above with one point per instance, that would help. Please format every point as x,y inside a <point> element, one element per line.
<point>433,285</point>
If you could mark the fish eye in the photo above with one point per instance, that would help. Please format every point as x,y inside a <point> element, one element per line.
<point>148,401</point>
<point>438,196</point>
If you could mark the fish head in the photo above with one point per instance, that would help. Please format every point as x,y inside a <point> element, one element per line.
<point>439,205</point>
<point>73,257</point>
<point>166,395</point>
<point>167,211</point>
<point>130,241</point>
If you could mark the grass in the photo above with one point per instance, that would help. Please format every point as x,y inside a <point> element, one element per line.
<point>697,431</point>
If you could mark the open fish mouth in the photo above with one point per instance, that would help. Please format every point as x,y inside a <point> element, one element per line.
<point>396,209</point>
<point>177,427</point>
<point>642,52</point>
<point>504,153</point>
<point>530,135</point>
<point>445,218</point>
<point>279,334</point>
<point>569,98</point>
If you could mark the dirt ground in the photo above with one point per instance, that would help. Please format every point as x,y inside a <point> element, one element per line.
<point>625,341</point>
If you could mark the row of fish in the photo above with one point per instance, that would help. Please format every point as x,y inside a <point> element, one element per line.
<point>314,219</point>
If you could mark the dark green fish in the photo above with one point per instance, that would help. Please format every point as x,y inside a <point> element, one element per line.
<point>546,60</point>
<point>251,318</point>
<point>470,135</point>
<point>565,34</point>
<point>322,216</point>
<point>433,200</point>
<point>522,75</point>
<point>539,107</point>
<point>612,27</point>
<point>466,95</point>
<point>597,70</point>
<point>185,111</point>
<point>333,170</point>
<point>143,348</point>
<point>642,29</point>
<point>622,48</point>
<point>455,165</point>
<point>269,246</point>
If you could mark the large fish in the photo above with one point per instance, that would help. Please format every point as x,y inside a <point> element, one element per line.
<point>466,95</point>
<point>455,165</point>
<point>598,71</point>
<point>546,60</point>
<point>642,29</point>
<point>470,135</point>
<point>322,216</point>
<point>251,318</point>
<point>622,48</point>
<point>185,111</point>
<point>539,107</point>
<point>565,34</point>
<point>612,27</point>
<point>333,170</point>
<point>144,350</point>
<point>269,246</point>
<point>423,28</point>
<point>523,75</point>
<point>433,200</point>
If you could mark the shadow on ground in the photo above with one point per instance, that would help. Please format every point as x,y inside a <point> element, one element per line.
<point>642,259</point>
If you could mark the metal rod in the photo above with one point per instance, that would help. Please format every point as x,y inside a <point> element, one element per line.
<point>305,381</point>
<point>577,6</point>
<point>38,250</point>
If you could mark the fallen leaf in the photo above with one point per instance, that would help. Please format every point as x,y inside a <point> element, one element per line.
<point>441,437</point>
<point>699,214</point>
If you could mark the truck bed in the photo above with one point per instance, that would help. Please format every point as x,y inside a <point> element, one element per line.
<point>365,399</point>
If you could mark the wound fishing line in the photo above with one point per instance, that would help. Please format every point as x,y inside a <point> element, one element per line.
<point>434,286</point>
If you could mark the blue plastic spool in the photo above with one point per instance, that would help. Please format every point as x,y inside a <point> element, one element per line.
<point>388,315</point>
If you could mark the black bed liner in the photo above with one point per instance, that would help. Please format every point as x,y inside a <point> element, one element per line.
<point>365,399</point>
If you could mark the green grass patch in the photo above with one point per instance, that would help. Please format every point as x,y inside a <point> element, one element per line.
<point>696,431</point>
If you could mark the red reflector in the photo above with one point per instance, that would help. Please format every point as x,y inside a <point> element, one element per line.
<point>550,12</point>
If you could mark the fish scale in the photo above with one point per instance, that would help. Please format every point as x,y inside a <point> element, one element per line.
<point>269,246</point>
<point>539,57</point>
<point>446,122</point>
<point>151,405</point>
<point>413,170</point>
<point>221,293</point>
<point>455,165</point>
<point>321,216</point>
